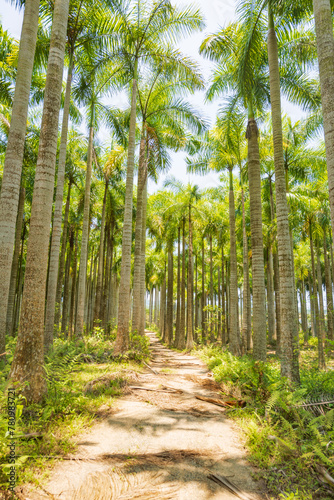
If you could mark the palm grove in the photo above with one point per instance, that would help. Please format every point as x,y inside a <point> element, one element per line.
<point>248,264</point>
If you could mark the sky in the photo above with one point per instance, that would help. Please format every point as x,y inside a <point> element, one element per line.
<point>217,13</point>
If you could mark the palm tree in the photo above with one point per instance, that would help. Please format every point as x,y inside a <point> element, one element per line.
<point>28,359</point>
<point>189,196</point>
<point>87,26</point>
<point>222,150</point>
<point>92,86</point>
<point>325,49</point>
<point>148,30</point>
<point>167,119</point>
<point>11,180</point>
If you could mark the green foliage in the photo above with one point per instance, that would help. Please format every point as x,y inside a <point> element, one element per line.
<point>285,434</point>
<point>68,407</point>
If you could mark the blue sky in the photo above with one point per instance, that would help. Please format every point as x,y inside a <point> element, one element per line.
<point>217,13</point>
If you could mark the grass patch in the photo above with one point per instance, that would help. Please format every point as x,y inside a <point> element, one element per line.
<point>84,380</point>
<point>285,438</point>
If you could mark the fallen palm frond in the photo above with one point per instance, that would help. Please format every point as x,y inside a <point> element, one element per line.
<point>119,486</point>
<point>223,481</point>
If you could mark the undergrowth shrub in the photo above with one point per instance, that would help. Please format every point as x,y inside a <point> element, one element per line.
<point>285,434</point>
<point>67,408</point>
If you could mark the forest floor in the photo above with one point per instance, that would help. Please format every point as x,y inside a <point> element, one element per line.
<point>158,444</point>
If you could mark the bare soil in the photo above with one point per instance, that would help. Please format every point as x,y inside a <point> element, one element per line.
<point>158,444</point>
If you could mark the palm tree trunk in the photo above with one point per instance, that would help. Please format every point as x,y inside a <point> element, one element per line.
<point>97,309</point>
<point>212,338</point>
<point>11,179</point>
<point>143,263</point>
<point>15,264</point>
<point>196,300</point>
<point>178,294</point>
<point>19,286</point>
<point>321,337</point>
<point>29,354</point>
<point>74,289</point>
<point>79,322</point>
<point>204,313</point>
<point>219,333</point>
<point>246,326</point>
<point>169,333</point>
<point>254,176</point>
<point>190,338</point>
<point>163,309</point>
<point>57,218</point>
<point>234,337</point>
<point>223,300</point>
<point>180,341</point>
<point>329,294</point>
<point>304,311</point>
<point>325,49</point>
<point>122,339</point>
<point>270,294</point>
<point>313,294</point>
<point>67,285</point>
<point>156,305</point>
<point>138,235</point>
<point>62,257</point>
<point>312,305</point>
<point>150,316</point>
<point>287,295</point>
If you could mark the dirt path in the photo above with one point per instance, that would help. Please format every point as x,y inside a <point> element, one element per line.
<point>158,445</point>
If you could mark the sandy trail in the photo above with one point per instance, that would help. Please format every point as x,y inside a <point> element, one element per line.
<point>157,445</point>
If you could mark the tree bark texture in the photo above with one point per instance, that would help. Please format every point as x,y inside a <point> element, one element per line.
<point>29,354</point>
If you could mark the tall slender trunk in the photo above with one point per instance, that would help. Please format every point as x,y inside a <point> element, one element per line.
<point>79,322</point>
<point>180,341</point>
<point>62,257</point>
<point>276,274</point>
<point>190,338</point>
<point>287,294</point>
<point>325,49</point>
<point>156,305</point>
<point>97,309</point>
<point>312,306</point>
<point>57,218</point>
<point>270,294</point>
<point>143,263</point>
<point>178,294</point>
<point>329,293</point>
<point>302,296</point>
<point>122,339</point>
<point>204,313</point>
<point>15,264</point>
<point>150,314</point>
<point>29,354</point>
<point>19,286</point>
<point>212,338</point>
<point>245,324</point>
<point>254,176</point>
<point>196,300</point>
<point>313,293</point>
<point>74,289</point>
<point>11,179</point>
<point>142,173</point>
<point>234,337</point>
<point>163,308</point>
<point>169,333</point>
<point>227,302</point>
<point>104,300</point>
<point>223,300</point>
<point>219,333</point>
<point>321,337</point>
<point>67,284</point>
